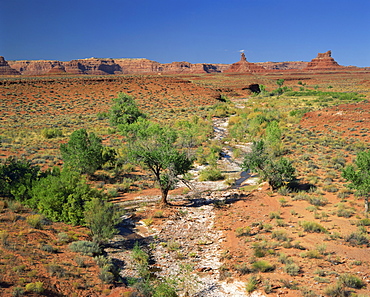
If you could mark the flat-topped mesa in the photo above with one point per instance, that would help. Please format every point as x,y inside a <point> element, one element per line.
<point>5,69</point>
<point>323,61</point>
<point>243,66</point>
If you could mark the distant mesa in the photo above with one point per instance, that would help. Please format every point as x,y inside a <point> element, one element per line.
<point>5,69</point>
<point>323,61</point>
<point>108,66</point>
<point>243,66</point>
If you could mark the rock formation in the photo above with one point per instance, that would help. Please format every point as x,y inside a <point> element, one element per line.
<point>5,69</point>
<point>323,61</point>
<point>296,65</point>
<point>243,66</point>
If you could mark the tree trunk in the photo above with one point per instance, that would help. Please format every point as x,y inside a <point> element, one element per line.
<point>366,201</point>
<point>164,201</point>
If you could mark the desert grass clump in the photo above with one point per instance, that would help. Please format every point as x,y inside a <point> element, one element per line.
<point>242,268</point>
<point>262,266</point>
<point>280,235</point>
<point>274,215</point>
<point>312,227</point>
<point>252,284</point>
<point>317,200</point>
<point>243,231</point>
<point>37,287</point>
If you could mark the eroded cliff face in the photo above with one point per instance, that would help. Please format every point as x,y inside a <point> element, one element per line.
<point>5,69</point>
<point>323,61</point>
<point>243,66</point>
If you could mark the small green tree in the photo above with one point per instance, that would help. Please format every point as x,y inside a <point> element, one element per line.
<point>62,197</point>
<point>280,82</point>
<point>16,178</point>
<point>101,218</point>
<point>276,172</point>
<point>153,146</point>
<point>124,110</point>
<point>83,152</point>
<point>359,176</point>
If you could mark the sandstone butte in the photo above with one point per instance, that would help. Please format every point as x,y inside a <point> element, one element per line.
<point>97,66</point>
<point>5,69</point>
<point>243,66</point>
<point>323,61</point>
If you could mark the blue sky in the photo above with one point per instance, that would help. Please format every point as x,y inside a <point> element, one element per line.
<point>201,31</point>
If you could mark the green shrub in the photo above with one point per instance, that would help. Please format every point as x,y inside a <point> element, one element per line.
<point>243,231</point>
<point>317,201</point>
<point>37,287</point>
<point>55,270</point>
<point>242,268</point>
<point>280,235</point>
<point>51,133</point>
<point>364,222</point>
<point>17,291</point>
<point>84,247</point>
<point>165,289</point>
<point>351,281</point>
<point>36,221</point>
<point>262,266</point>
<point>313,227</point>
<point>210,173</point>
<point>357,238</point>
<point>292,269</point>
<point>336,290</point>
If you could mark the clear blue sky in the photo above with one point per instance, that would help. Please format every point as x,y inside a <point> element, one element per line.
<point>197,31</point>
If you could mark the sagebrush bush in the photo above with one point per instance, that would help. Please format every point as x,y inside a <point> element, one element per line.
<point>84,247</point>
<point>36,221</point>
<point>313,227</point>
<point>352,281</point>
<point>292,269</point>
<point>357,238</point>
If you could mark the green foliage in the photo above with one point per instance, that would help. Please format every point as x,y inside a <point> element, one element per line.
<point>62,197</point>
<point>359,176</point>
<point>83,152</point>
<point>276,172</point>
<point>210,173</point>
<point>101,217</point>
<point>165,289</point>
<point>124,111</point>
<point>280,82</point>
<point>16,178</point>
<point>154,147</point>
<point>84,247</point>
